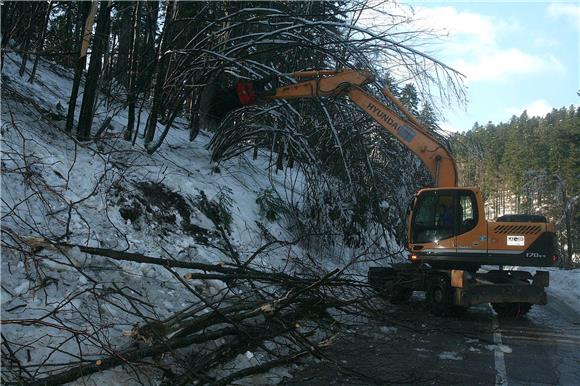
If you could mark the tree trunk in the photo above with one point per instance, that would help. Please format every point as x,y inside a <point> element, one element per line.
<point>27,38</point>
<point>99,44</point>
<point>280,158</point>
<point>290,158</point>
<point>86,17</point>
<point>138,122</point>
<point>70,36</point>
<point>107,78</point>
<point>153,148</point>
<point>159,79</point>
<point>133,44</point>
<point>126,38</point>
<point>7,16</point>
<point>194,117</point>
<point>568,209</point>
<point>8,25</point>
<point>40,44</point>
<point>147,54</point>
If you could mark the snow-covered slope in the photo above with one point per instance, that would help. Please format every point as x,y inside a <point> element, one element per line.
<point>174,204</point>
<point>109,173</point>
<point>109,194</point>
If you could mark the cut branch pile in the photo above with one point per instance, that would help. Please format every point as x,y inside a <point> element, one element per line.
<point>278,316</point>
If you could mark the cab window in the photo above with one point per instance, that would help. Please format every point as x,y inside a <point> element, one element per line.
<point>433,217</point>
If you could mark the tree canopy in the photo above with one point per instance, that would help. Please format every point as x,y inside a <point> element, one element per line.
<point>526,165</point>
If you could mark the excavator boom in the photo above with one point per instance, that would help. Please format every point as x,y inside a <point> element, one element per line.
<point>434,155</point>
<point>409,132</point>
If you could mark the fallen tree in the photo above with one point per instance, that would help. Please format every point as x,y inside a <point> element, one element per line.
<point>283,316</point>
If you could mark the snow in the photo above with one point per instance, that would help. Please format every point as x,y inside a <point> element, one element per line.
<point>565,284</point>
<point>499,347</point>
<point>58,188</point>
<point>22,288</point>
<point>388,330</point>
<point>181,166</point>
<point>450,356</point>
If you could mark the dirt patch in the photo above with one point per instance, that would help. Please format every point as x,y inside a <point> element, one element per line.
<point>159,196</point>
<point>131,213</point>
<point>154,203</point>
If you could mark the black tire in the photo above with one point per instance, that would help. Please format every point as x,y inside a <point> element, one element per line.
<point>511,310</point>
<point>440,296</point>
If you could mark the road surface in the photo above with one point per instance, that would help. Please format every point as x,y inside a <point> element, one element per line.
<point>415,347</point>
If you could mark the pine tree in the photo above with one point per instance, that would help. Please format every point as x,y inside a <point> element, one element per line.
<point>410,98</point>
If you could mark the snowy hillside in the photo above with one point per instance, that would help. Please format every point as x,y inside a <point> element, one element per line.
<point>60,196</point>
<point>128,197</point>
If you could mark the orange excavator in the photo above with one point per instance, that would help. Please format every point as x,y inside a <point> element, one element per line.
<point>448,236</point>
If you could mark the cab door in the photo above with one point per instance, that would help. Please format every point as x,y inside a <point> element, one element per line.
<point>471,235</point>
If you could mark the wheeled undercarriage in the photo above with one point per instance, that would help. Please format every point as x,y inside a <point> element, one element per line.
<point>453,291</point>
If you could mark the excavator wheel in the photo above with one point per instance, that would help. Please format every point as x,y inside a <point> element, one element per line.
<point>440,296</point>
<point>381,280</point>
<point>511,310</point>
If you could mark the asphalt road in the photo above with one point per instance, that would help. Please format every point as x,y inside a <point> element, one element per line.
<point>407,345</point>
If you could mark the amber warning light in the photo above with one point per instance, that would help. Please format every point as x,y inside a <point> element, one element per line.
<point>414,258</point>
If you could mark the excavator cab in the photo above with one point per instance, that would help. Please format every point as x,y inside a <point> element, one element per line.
<point>443,221</point>
<point>447,228</point>
<point>442,214</point>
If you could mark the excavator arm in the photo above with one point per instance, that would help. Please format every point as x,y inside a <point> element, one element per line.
<point>470,240</point>
<point>349,83</point>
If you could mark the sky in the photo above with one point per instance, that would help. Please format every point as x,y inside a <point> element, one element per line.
<point>515,56</point>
